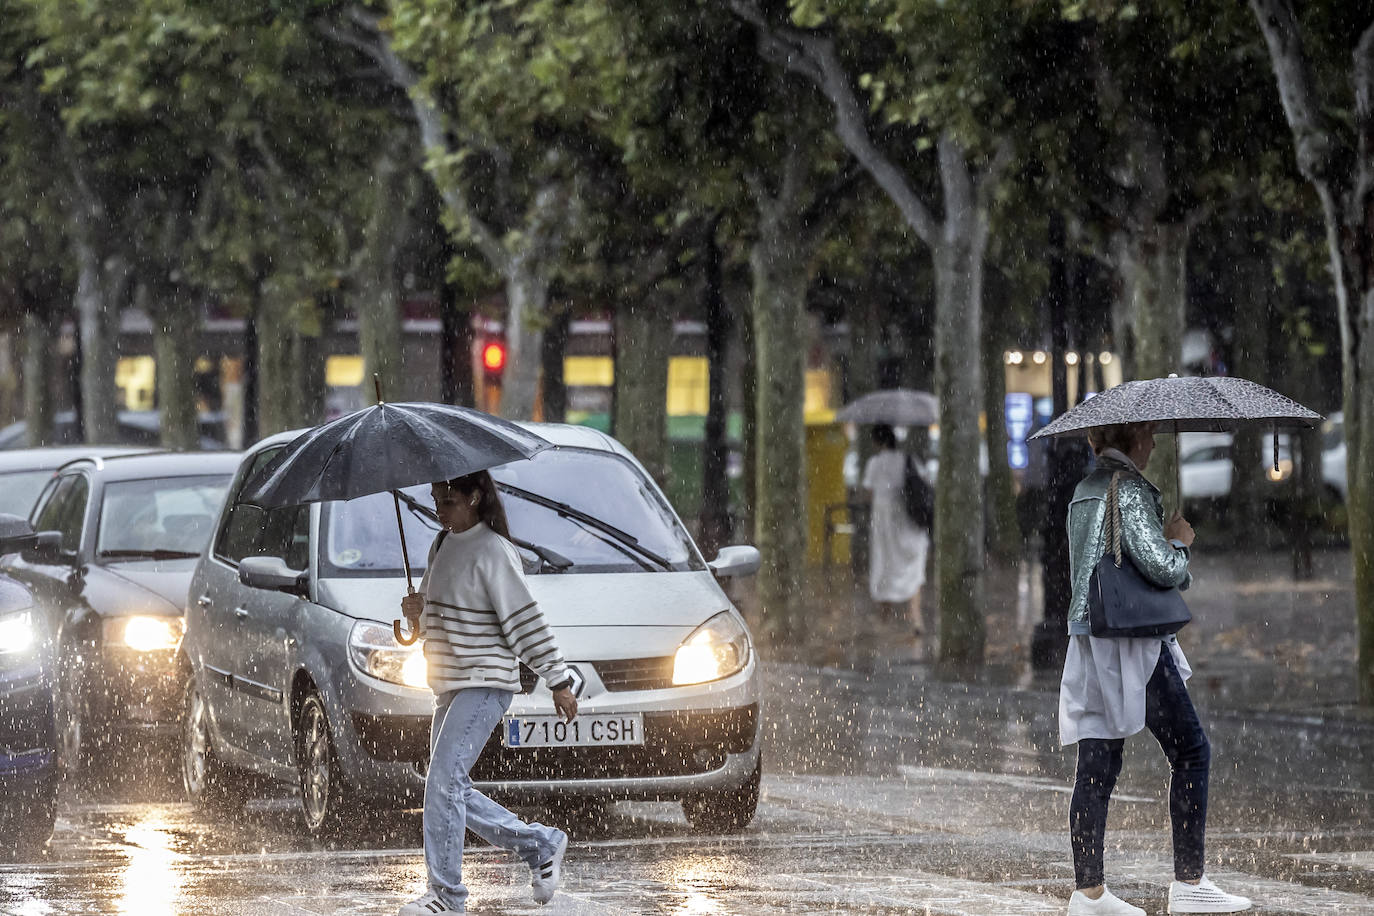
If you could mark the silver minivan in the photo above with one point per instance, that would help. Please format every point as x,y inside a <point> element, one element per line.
<point>295,674</point>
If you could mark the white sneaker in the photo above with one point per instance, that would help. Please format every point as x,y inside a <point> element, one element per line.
<point>1204,897</point>
<point>427,905</point>
<point>1080,904</point>
<point>546,876</point>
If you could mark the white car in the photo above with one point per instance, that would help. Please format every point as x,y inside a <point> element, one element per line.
<point>1206,466</point>
<point>295,674</point>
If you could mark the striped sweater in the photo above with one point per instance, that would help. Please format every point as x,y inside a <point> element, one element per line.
<point>480,619</point>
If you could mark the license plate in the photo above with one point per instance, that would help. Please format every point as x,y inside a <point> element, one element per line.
<point>584,731</point>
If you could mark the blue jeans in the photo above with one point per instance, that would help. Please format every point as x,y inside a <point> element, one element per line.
<point>1170,717</point>
<point>463,721</point>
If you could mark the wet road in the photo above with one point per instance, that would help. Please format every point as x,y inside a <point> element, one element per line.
<point>882,794</point>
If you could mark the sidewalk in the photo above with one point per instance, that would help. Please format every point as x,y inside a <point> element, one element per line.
<point>1260,641</point>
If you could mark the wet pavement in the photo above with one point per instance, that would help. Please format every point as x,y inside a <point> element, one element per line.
<point>884,792</point>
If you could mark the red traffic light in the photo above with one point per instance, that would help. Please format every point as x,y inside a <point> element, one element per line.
<point>494,357</point>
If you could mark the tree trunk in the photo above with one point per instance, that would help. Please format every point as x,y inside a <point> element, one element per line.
<point>1250,359</point>
<point>1156,277</point>
<point>715,528</point>
<point>1004,538</point>
<point>527,297</point>
<point>276,403</point>
<point>1348,210</point>
<point>101,287</point>
<point>643,344</point>
<point>456,358</point>
<point>377,303</point>
<point>41,328</point>
<point>959,553</point>
<point>779,271</point>
<point>553,390</point>
<point>307,373</point>
<point>176,340</point>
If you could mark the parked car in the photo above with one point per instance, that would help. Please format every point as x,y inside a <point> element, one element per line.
<point>134,427</point>
<point>117,540</point>
<point>1206,465</point>
<point>296,674</point>
<point>1333,454</point>
<point>25,471</point>
<point>28,730</point>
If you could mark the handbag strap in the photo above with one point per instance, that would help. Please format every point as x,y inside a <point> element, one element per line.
<point>1114,518</point>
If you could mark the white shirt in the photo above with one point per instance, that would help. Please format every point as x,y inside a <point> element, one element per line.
<point>480,619</point>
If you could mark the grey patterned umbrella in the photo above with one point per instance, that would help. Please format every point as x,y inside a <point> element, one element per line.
<point>1185,405</point>
<point>893,406</point>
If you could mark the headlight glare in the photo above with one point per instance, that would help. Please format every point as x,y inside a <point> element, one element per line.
<point>376,653</point>
<point>144,633</point>
<point>17,634</point>
<point>718,648</point>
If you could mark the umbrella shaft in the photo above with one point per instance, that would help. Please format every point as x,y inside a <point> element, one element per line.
<point>405,554</point>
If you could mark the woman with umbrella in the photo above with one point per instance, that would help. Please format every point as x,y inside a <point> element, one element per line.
<point>479,621</point>
<point>473,606</point>
<point>1114,686</point>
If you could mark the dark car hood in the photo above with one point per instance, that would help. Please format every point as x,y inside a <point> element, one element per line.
<point>131,586</point>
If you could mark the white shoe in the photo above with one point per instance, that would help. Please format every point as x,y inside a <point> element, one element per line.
<point>427,905</point>
<point>1080,904</point>
<point>1204,897</point>
<point>546,876</point>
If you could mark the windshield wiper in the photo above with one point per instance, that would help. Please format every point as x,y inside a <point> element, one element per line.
<point>549,556</point>
<point>606,528</point>
<point>158,554</point>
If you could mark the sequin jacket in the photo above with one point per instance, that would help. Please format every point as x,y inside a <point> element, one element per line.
<point>1142,535</point>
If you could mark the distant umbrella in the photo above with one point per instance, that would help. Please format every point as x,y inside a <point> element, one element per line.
<point>388,447</point>
<point>894,407</point>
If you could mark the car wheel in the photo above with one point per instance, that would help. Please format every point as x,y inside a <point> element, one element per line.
<point>26,823</point>
<point>724,812</point>
<point>208,783</point>
<point>78,749</point>
<point>322,793</point>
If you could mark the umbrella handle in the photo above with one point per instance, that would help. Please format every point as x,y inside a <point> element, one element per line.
<point>401,637</point>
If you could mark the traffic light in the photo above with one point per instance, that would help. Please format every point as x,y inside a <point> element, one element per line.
<point>493,359</point>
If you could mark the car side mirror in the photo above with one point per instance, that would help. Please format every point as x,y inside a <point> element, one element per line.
<point>46,549</point>
<point>273,574</point>
<point>735,561</point>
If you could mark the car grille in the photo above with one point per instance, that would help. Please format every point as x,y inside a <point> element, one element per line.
<point>636,673</point>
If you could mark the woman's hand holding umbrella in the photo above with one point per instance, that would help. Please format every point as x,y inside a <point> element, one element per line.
<point>412,606</point>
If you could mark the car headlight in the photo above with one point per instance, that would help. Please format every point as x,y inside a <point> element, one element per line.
<point>17,634</point>
<point>716,649</point>
<point>375,652</point>
<point>145,633</point>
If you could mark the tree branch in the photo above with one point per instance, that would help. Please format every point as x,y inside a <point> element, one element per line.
<point>1315,143</point>
<point>374,43</point>
<point>813,56</point>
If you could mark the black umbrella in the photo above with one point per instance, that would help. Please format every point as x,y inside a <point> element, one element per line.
<point>1184,405</point>
<point>388,447</point>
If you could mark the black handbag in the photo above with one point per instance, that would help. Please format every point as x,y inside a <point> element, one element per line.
<point>1122,602</point>
<point>918,497</point>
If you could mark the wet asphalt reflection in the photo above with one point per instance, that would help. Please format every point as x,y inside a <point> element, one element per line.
<point>883,793</point>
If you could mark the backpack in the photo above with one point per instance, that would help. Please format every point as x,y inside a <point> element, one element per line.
<point>918,497</point>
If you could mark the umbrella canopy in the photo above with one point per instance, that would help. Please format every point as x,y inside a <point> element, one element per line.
<point>389,447</point>
<point>893,406</point>
<point>1185,405</point>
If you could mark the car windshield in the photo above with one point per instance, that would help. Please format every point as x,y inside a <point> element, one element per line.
<point>159,516</point>
<point>19,490</point>
<point>360,539</point>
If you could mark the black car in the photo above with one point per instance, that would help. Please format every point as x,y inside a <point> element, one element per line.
<point>117,540</point>
<point>28,729</point>
<point>25,471</point>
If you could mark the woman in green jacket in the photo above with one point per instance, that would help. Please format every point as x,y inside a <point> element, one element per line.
<point>1113,688</point>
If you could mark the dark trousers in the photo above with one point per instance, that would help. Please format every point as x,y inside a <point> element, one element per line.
<point>1170,717</point>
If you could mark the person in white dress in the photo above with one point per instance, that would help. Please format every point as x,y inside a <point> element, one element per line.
<point>897,546</point>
